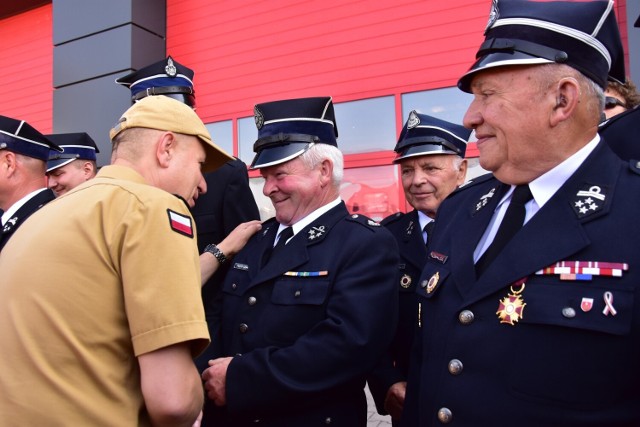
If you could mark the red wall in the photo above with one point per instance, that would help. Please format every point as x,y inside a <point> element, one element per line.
<point>26,55</point>
<point>245,52</point>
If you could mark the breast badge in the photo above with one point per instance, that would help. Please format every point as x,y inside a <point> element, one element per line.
<point>511,307</point>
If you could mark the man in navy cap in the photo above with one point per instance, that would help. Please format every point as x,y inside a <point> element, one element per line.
<point>528,302</point>
<point>75,165</point>
<point>430,153</point>
<point>23,185</point>
<point>305,321</point>
<point>228,201</point>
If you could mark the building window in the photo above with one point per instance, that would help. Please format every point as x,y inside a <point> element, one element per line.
<point>366,125</point>
<point>449,103</point>
<point>247,135</point>
<point>222,134</point>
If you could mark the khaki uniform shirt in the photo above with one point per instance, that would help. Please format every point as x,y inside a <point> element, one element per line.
<point>99,276</point>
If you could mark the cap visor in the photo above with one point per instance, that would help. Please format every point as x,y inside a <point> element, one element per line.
<point>423,150</point>
<point>275,155</point>
<point>57,163</point>
<point>216,156</point>
<point>497,59</point>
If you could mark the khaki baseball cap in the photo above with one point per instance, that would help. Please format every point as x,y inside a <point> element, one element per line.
<point>167,114</point>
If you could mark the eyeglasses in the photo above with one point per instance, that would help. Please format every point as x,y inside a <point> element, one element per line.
<point>611,102</point>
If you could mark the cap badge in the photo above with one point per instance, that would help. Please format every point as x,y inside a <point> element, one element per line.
<point>413,120</point>
<point>316,232</point>
<point>589,201</point>
<point>258,117</point>
<point>485,199</point>
<point>170,69</point>
<point>493,15</point>
<point>405,281</point>
<point>511,307</point>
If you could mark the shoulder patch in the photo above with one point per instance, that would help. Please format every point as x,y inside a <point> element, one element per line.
<point>363,220</point>
<point>392,218</point>
<point>634,165</point>
<point>473,182</point>
<point>180,223</point>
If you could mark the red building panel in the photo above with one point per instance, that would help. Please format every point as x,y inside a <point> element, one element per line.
<point>27,67</point>
<point>252,51</point>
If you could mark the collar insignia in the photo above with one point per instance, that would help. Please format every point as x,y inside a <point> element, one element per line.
<point>316,232</point>
<point>588,201</point>
<point>484,199</point>
<point>10,224</point>
<point>410,228</point>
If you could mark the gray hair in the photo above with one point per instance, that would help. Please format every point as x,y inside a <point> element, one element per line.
<point>319,152</point>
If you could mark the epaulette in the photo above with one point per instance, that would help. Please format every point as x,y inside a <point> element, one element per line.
<point>634,165</point>
<point>392,218</point>
<point>473,182</point>
<point>364,220</point>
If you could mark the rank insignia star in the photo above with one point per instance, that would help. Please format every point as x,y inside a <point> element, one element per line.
<point>316,232</point>
<point>588,200</point>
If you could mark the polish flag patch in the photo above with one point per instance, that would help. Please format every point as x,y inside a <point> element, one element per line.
<point>180,223</point>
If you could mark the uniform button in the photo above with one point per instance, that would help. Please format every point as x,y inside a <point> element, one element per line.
<point>252,300</point>
<point>455,366</point>
<point>466,317</point>
<point>444,415</point>
<point>243,328</point>
<point>256,420</point>
<point>234,286</point>
<point>297,293</point>
<point>327,420</point>
<point>569,312</point>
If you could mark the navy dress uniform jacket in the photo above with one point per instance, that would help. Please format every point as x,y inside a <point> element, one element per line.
<point>307,328</point>
<point>394,366</point>
<point>227,203</point>
<point>25,211</point>
<point>564,363</point>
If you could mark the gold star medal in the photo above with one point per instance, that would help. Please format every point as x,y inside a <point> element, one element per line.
<point>511,307</point>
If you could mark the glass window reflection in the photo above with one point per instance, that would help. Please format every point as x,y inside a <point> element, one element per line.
<point>366,125</point>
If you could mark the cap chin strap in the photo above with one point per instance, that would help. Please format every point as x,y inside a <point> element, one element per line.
<point>164,90</point>
<point>511,45</point>
<point>279,138</point>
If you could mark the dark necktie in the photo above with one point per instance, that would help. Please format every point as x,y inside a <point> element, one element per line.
<point>285,235</point>
<point>428,228</point>
<point>511,223</point>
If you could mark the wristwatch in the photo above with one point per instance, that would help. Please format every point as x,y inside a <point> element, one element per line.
<point>216,252</point>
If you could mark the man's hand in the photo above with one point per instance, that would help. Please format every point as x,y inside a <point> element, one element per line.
<point>394,401</point>
<point>215,378</point>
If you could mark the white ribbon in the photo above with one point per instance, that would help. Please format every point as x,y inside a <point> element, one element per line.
<point>608,301</point>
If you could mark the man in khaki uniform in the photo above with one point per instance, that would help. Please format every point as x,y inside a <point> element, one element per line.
<point>103,331</point>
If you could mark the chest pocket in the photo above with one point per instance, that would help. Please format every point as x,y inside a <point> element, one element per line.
<point>580,306</point>
<point>431,280</point>
<point>300,291</point>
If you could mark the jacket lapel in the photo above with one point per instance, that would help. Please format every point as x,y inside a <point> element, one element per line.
<point>413,249</point>
<point>25,211</point>
<point>529,251</point>
<point>296,252</point>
